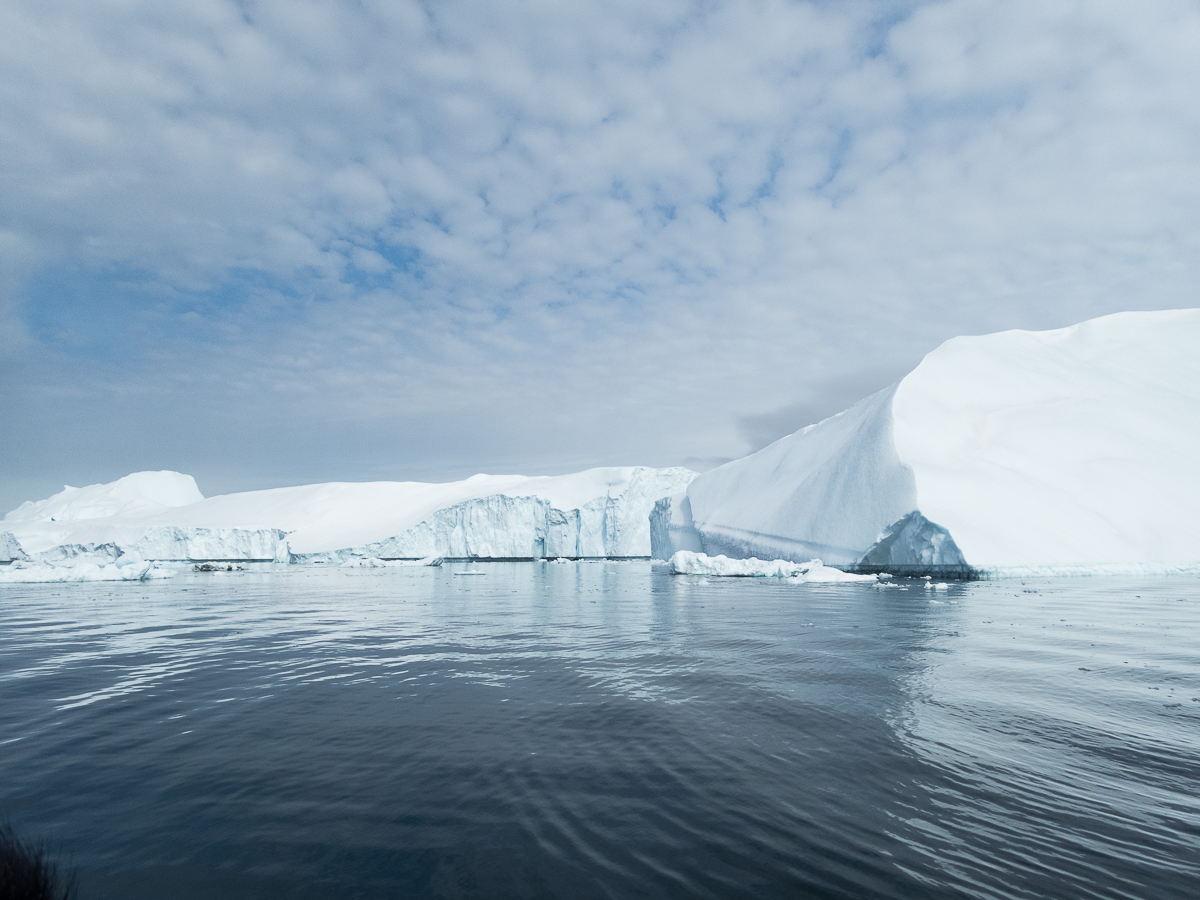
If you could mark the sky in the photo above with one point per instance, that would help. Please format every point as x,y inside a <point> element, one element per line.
<point>271,243</point>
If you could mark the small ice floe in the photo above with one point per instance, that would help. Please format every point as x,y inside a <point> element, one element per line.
<point>940,586</point>
<point>374,562</point>
<point>131,568</point>
<point>687,562</point>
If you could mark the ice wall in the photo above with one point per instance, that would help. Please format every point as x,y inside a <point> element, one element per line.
<point>529,527</point>
<point>672,529</point>
<point>200,544</point>
<point>68,553</point>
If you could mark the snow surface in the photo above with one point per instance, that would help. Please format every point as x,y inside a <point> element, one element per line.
<point>599,512</point>
<point>686,562</point>
<point>1065,450</point>
<point>139,494</point>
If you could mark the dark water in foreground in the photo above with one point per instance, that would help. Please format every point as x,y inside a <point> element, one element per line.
<point>602,730</point>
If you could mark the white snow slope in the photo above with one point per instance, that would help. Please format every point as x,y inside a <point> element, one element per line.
<point>1078,447</point>
<point>600,512</point>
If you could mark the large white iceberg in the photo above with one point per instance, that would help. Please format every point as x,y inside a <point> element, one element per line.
<point>598,513</point>
<point>1073,449</point>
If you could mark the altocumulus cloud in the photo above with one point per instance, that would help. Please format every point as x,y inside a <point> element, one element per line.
<point>268,242</point>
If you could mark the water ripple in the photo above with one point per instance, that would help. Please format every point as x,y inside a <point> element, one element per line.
<point>605,730</point>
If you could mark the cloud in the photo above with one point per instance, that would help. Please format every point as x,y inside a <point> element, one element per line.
<point>352,240</point>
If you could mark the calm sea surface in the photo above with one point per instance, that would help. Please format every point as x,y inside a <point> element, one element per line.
<point>604,730</point>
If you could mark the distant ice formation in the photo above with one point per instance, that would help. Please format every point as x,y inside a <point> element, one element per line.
<point>1065,450</point>
<point>162,516</point>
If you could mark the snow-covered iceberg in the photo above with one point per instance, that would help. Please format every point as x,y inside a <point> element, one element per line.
<point>1017,451</point>
<point>597,513</point>
<point>685,562</point>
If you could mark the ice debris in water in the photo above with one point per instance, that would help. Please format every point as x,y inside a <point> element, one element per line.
<point>129,568</point>
<point>374,562</point>
<point>687,562</point>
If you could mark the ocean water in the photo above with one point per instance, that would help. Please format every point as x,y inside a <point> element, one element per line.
<point>604,730</point>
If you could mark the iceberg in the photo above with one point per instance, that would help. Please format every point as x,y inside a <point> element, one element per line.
<point>1017,452</point>
<point>685,562</point>
<point>597,513</point>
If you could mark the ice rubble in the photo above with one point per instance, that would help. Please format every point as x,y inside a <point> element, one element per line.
<point>1064,450</point>
<point>600,512</point>
<point>686,562</point>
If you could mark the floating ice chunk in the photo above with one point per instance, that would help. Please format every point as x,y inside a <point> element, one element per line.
<point>374,562</point>
<point>687,562</point>
<point>25,573</point>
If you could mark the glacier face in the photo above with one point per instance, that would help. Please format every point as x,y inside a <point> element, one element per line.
<point>170,542</point>
<point>1012,451</point>
<point>530,526</point>
<point>600,512</point>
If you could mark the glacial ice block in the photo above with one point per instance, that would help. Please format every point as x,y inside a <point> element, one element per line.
<point>1020,450</point>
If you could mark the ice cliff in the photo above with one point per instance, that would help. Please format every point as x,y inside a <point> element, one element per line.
<point>10,548</point>
<point>161,516</point>
<point>1012,451</point>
